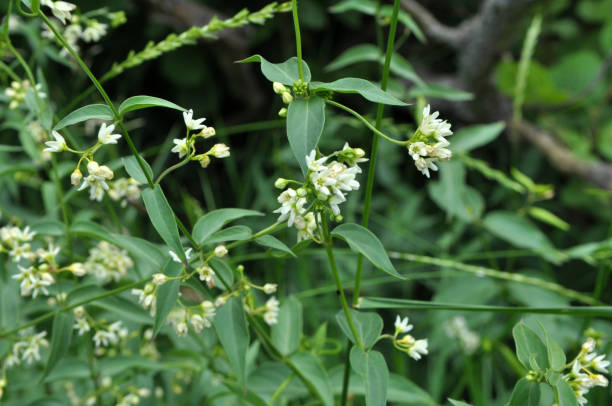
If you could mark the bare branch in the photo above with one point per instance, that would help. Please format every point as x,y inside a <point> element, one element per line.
<point>453,36</point>
<point>600,173</point>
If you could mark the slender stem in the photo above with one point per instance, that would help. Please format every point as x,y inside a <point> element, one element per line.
<point>9,71</point>
<point>347,376</point>
<point>281,388</point>
<point>172,168</point>
<point>332,262</point>
<point>298,38</point>
<point>366,122</point>
<point>374,148</point>
<point>104,95</point>
<point>52,313</point>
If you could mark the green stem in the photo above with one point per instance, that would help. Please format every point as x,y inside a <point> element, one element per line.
<point>298,38</point>
<point>172,168</point>
<point>374,148</point>
<point>9,71</point>
<point>280,389</point>
<point>332,262</point>
<point>104,95</point>
<point>366,122</point>
<point>347,375</point>
<point>52,313</point>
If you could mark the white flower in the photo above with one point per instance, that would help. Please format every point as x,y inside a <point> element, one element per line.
<point>306,226</point>
<point>94,31</point>
<point>291,206</point>
<point>190,123</point>
<point>270,288</point>
<point>76,177</point>
<point>105,135</point>
<point>208,312</point>
<point>176,258</point>
<point>424,165</point>
<point>207,275</point>
<point>60,9</point>
<point>181,329</point>
<point>433,126</point>
<point>402,326</point>
<point>56,146</point>
<point>82,326</point>
<point>220,251</point>
<point>314,164</point>
<point>219,151</point>
<point>418,348</point>
<point>271,313</point>
<point>181,147</point>
<point>599,364</point>
<point>159,279</point>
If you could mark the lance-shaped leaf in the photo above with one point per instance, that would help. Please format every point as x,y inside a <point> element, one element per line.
<point>167,295</point>
<point>285,72</point>
<point>363,241</point>
<point>525,393</point>
<point>373,369</point>
<point>135,171</point>
<point>367,325</point>
<point>305,121</point>
<point>144,102</point>
<point>365,88</point>
<point>312,373</point>
<point>163,220</point>
<point>274,243</point>
<point>530,350</point>
<point>567,397</point>
<point>214,220</point>
<point>89,112</point>
<point>60,340</point>
<point>287,333</point>
<point>233,333</point>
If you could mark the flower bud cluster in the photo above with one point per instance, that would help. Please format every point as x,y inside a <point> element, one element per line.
<point>110,335</point>
<point>125,190</point>
<point>457,328</point>
<point>408,344</point>
<point>428,144</point>
<point>285,94</point>
<point>327,184</point>
<point>105,262</point>
<point>199,317</point>
<point>18,90</point>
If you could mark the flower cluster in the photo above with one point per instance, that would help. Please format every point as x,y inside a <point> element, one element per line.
<point>18,91</point>
<point>428,144</point>
<point>457,328</point>
<point>408,344</point>
<point>196,129</point>
<point>581,377</point>
<point>199,317</point>
<point>327,183</point>
<point>61,9</point>
<point>133,398</point>
<point>105,262</point>
<point>271,311</point>
<point>17,243</point>
<point>27,349</point>
<point>110,335</point>
<point>125,190</point>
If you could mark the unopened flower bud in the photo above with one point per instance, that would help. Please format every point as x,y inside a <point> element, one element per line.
<point>339,218</point>
<point>301,192</point>
<point>79,312</point>
<point>287,98</point>
<point>149,288</point>
<point>219,151</point>
<point>281,183</point>
<point>78,269</point>
<point>93,167</point>
<point>278,88</point>
<point>283,112</point>
<point>159,279</point>
<point>207,132</point>
<point>106,172</point>
<point>269,288</point>
<point>75,177</point>
<point>203,159</point>
<point>220,251</point>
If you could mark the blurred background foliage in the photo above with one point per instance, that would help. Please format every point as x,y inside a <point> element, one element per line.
<point>504,202</point>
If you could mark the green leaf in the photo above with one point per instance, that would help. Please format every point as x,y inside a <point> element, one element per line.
<point>525,393</point>
<point>363,241</point>
<point>60,340</point>
<point>274,243</point>
<point>233,333</point>
<point>133,169</point>
<point>453,195</point>
<point>89,112</point>
<point>529,347</point>
<point>365,88</point>
<point>305,121</point>
<point>234,233</point>
<point>144,102</point>
<point>285,73</point>
<point>567,397</point>
<point>440,92</point>
<point>221,270</point>
<point>49,227</point>
<point>547,217</point>
<point>556,355</point>
<point>10,148</point>
<point>214,220</point>
<point>287,333</point>
<point>244,394</point>
<point>458,402</point>
<point>518,231</point>
<point>373,369</point>
<point>163,220</point>
<point>167,295</point>
<point>368,326</point>
<point>312,373</point>
<point>472,137</point>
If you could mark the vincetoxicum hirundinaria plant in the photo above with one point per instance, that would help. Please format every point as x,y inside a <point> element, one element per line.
<point>115,300</point>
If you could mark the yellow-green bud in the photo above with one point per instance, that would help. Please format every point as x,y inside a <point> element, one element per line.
<point>220,151</point>
<point>283,112</point>
<point>76,177</point>
<point>281,183</point>
<point>287,98</point>
<point>203,159</point>
<point>279,88</point>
